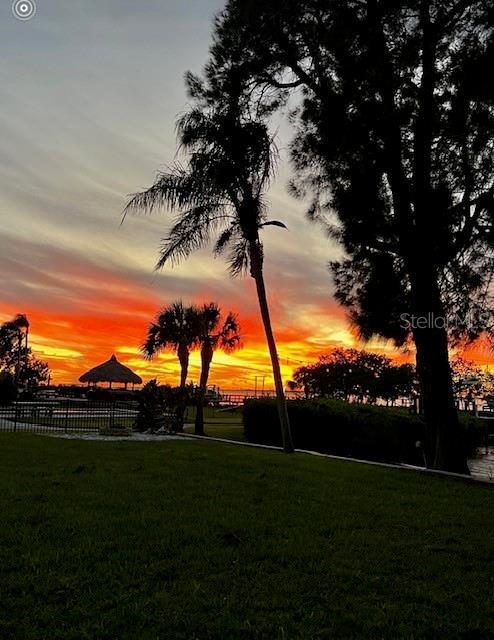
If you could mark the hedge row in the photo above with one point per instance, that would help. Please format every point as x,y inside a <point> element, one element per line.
<point>354,430</point>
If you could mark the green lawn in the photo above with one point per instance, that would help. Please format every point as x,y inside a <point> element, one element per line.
<point>219,423</point>
<point>80,423</point>
<point>199,540</point>
<point>226,432</point>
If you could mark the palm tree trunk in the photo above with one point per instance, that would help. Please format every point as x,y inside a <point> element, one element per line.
<point>206,358</point>
<point>256,269</point>
<point>183,357</point>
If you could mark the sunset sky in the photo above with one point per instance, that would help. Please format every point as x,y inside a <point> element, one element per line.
<point>91,90</point>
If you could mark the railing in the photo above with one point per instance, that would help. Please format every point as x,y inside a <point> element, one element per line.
<point>485,412</point>
<point>237,400</point>
<point>67,416</point>
<point>229,401</point>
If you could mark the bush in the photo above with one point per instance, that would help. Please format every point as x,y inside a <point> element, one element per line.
<point>161,407</point>
<point>475,433</point>
<point>368,432</point>
<point>151,407</point>
<point>8,389</point>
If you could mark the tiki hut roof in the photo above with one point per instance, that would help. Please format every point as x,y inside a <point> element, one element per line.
<point>111,371</point>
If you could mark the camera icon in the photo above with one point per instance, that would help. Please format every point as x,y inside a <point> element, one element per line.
<point>24,9</point>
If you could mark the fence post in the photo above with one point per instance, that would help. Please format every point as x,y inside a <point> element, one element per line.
<point>66,415</point>
<point>16,415</point>
<point>486,430</point>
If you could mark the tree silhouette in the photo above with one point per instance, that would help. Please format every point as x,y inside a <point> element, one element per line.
<point>175,329</point>
<point>14,347</point>
<point>9,337</point>
<point>396,136</point>
<point>214,333</point>
<point>219,191</point>
<point>357,375</point>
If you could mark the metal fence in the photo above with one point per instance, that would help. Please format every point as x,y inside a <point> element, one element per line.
<point>485,413</point>
<point>67,416</point>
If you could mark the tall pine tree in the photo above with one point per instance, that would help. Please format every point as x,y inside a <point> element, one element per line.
<point>395,140</point>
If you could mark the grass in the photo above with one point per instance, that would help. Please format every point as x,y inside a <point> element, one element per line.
<point>227,432</point>
<point>194,539</point>
<point>80,423</point>
<point>219,423</point>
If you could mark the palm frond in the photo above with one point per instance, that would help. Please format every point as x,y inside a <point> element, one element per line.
<point>229,161</point>
<point>209,316</point>
<point>229,338</point>
<point>274,223</point>
<point>225,239</point>
<point>192,231</point>
<point>176,189</point>
<point>175,325</point>
<point>238,260</point>
<point>151,345</point>
<point>195,129</point>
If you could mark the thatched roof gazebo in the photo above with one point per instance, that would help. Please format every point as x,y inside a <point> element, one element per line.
<point>112,371</point>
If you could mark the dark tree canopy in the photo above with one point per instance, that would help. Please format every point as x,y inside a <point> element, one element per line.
<point>17,359</point>
<point>407,174</point>
<point>395,144</point>
<point>351,374</point>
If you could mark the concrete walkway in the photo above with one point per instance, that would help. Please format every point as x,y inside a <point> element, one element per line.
<point>95,436</point>
<point>11,426</point>
<point>483,467</point>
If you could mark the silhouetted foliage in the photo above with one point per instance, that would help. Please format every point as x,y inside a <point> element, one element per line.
<point>175,329</point>
<point>363,431</point>
<point>357,375</point>
<point>183,328</point>
<point>17,359</point>
<point>9,337</point>
<point>470,382</point>
<point>8,389</point>
<point>34,373</point>
<point>396,381</point>
<point>160,407</point>
<point>219,190</point>
<point>214,332</point>
<point>395,134</point>
<point>151,407</point>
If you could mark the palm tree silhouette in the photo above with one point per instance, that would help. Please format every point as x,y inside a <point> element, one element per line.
<point>214,333</point>
<point>175,329</point>
<point>220,192</point>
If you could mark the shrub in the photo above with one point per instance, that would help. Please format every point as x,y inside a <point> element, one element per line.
<point>354,430</point>
<point>161,407</point>
<point>475,433</point>
<point>8,389</point>
<point>151,406</point>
